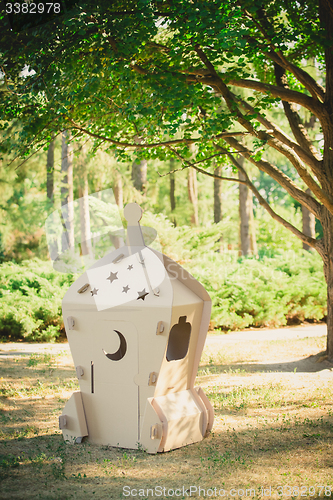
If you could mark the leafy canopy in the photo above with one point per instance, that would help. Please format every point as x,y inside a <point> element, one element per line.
<point>134,72</point>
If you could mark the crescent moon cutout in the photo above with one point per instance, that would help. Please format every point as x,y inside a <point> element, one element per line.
<point>118,355</point>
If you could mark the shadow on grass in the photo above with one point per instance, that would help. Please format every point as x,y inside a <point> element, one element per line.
<point>311,364</point>
<point>47,468</point>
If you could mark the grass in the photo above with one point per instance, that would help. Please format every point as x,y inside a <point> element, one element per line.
<point>273,428</point>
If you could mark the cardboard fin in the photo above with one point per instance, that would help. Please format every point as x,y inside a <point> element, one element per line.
<point>74,425</point>
<point>182,419</point>
<point>152,429</point>
<point>209,408</point>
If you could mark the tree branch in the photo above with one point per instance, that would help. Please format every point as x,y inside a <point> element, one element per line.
<point>28,146</point>
<point>221,87</point>
<point>288,152</point>
<point>294,120</point>
<point>308,201</point>
<point>285,181</point>
<point>193,165</point>
<point>302,76</point>
<point>195,71</point>
<point>139,69</point>
<point>173,142</point>
<point>274,130</point>
<point>315,163</point>
<point>303,237</point>
<point>316,107</point>
<point>212,79</point>
<point>277,56</point>
<point>35,152</point>
<point>306,239</point>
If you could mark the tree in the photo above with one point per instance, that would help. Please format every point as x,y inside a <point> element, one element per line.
<point>218,212</point>
<point>50,172</point>
<point>139,175</point>
<point>246,220</point>
<point>118,190</point>
<point>172,188</point>
<point>168,72</point>
<point>217,195</point>
<point>67,196</point>
<point>85,231</point>
<point>308,224</point>
<point>192,189</point>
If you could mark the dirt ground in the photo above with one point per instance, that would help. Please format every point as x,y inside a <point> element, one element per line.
<point>272,393</point>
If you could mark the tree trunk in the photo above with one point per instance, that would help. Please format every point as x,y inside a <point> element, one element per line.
<point>326,248</point>
<point>254,246</point>
<point>172,190</point>
<point>309,223</point>
<point>217,196</point>
<point>118,190</point>
<point>248,243</point>
<point>329,346</point>
<point>50,172</point>
<point>192,187</point>
<point>329,281</point>
<point>86,248</point>
<point>67,196</point>
<point>218,202</point>
<point>172,185</point>
<point>139,175</point>
<point>308,218</point>
<point>326,252</point>
<point>52,241</point>
<point>244,218</point>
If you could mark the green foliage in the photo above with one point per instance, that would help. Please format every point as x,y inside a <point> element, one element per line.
<point>23,209</point>
<point>183,243</point>
<point>131,63</point>
<point>135,76</point>
<point>2,250</point>
<point>288,287</point>
<point>30,307</point>
<point>274,291</point>
<point>271,236</point>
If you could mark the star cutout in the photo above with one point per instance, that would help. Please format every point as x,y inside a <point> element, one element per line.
<point>125,289</point>
<point>142,294</point>
<point>130,267</point>
<point>94,291</point>
<point>112,277</point>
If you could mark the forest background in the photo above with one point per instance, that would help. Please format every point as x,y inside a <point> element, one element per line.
<point>255,270</point>
<point>257,273</point>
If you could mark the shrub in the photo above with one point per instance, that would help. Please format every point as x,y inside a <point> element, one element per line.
<point>288,288</point>
<point>31,294</point>
<point>271,291</point>
<point>283,288</point>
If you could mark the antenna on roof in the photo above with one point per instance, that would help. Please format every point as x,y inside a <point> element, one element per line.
<point>133,213</point>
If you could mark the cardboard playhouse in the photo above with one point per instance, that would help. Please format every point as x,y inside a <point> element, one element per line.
<point>136,323</point>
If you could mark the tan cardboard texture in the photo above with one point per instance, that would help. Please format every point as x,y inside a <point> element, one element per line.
<point>136,323</point>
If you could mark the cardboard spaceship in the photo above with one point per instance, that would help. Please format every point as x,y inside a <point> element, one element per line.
<point>136,323</point>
